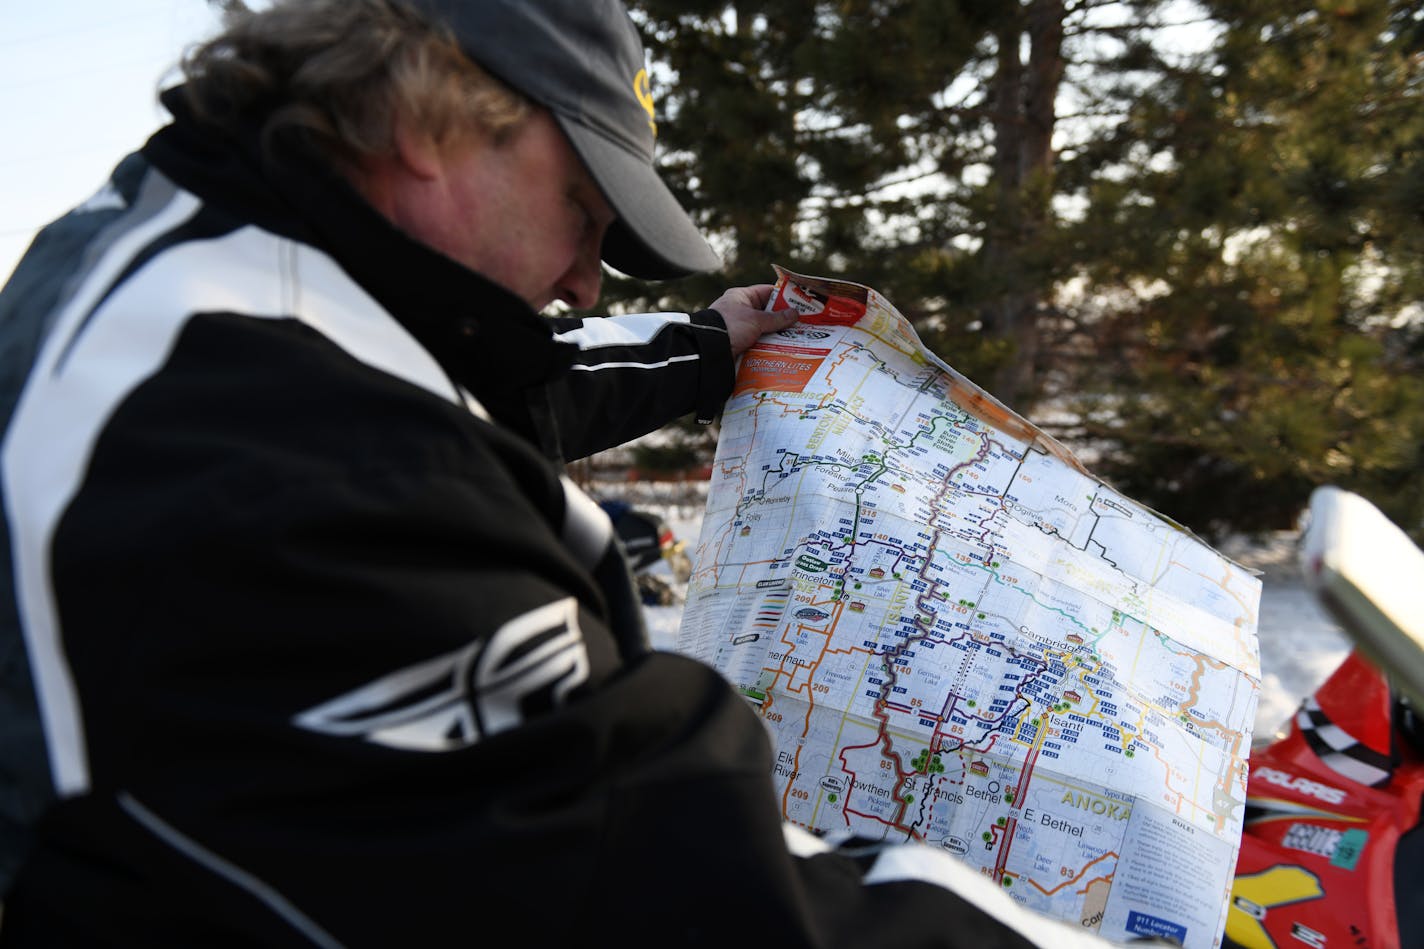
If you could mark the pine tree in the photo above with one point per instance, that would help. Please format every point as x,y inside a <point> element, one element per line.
<point>908,144</point>
<point>1259,269</point>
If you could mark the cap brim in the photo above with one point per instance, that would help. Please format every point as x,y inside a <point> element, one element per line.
<point>653,238</point>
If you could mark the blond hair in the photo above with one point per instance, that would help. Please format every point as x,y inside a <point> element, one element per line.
<point>337,72</point>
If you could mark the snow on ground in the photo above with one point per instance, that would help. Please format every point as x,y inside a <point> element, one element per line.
<point>1300,644</point>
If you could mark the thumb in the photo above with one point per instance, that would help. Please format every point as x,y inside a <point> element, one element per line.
<point>781,319</point>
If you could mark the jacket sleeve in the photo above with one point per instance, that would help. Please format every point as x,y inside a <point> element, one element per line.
<point>633,374</point>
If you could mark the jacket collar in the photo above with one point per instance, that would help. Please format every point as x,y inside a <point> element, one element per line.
<point>487,339</point>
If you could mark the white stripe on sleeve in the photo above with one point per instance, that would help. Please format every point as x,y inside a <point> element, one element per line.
<point>634,329</point>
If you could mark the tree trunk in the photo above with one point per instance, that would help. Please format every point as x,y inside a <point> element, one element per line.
<point>1024,116</point>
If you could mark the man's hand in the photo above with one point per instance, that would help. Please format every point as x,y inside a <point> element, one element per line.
<point>742,308</point>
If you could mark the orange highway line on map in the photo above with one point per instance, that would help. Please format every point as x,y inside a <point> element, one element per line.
<point>826,636</point>
<point>796,758</point>
<point>1195,691</point>
<point>1167,779</point>
<point>1106,878</point>
<point>1074,879</point>
<point>770,396</point>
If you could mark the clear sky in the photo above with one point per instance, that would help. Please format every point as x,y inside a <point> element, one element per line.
<point>77,92</point>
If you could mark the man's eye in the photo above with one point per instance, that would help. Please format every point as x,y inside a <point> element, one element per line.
<point>584,216</point>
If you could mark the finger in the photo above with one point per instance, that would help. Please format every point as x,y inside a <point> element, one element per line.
<point>760,294</point>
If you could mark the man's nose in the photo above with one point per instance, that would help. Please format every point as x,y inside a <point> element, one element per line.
<point>579,285</point>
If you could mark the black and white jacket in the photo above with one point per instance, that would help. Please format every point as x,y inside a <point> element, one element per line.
<point>309,642</point>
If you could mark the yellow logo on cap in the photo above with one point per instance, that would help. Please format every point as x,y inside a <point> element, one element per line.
<point>643,89</point>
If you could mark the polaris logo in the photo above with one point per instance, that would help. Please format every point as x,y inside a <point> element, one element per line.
<point>811,614</point>
<point>803,334</point>
<point>1300,785</point>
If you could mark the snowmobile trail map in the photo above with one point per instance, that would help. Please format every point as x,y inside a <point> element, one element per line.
<point>955,634</point>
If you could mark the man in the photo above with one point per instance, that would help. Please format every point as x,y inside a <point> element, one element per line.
<point>309,640</point>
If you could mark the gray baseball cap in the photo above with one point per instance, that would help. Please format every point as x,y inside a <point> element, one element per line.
<point>583,61</point>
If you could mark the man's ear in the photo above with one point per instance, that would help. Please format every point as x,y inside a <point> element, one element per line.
<point>417,150</point>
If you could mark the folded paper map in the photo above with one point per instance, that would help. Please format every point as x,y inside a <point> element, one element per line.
<point>955,634</point>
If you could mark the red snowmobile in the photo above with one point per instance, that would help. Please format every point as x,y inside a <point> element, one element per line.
<point>1332,853</point>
